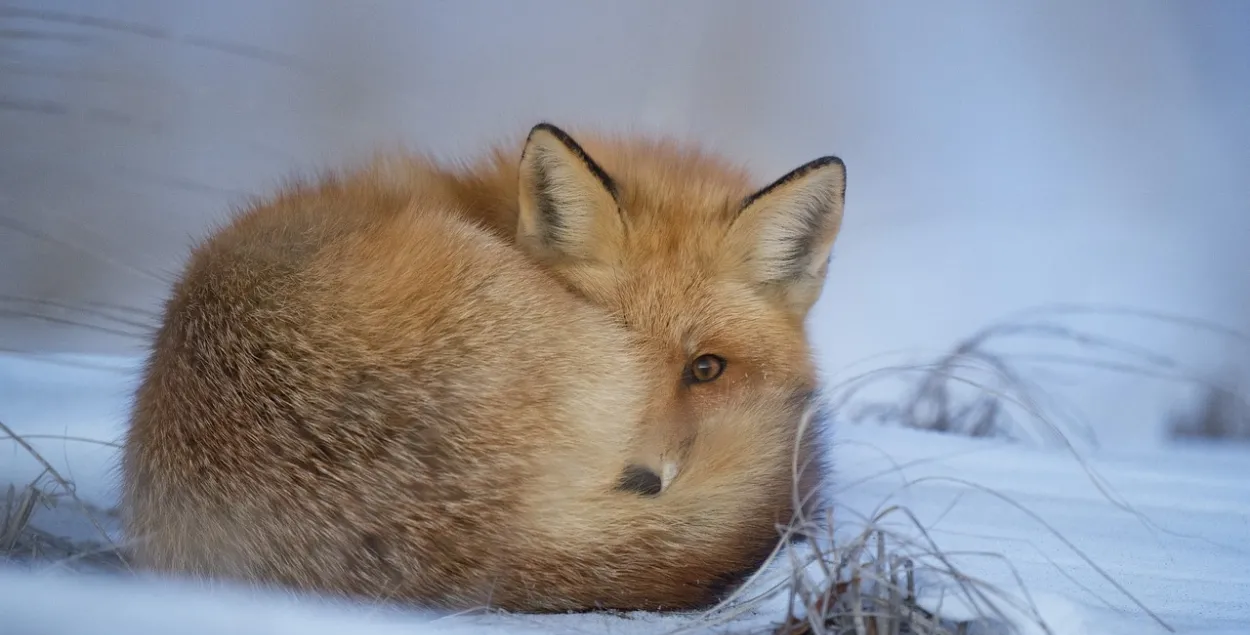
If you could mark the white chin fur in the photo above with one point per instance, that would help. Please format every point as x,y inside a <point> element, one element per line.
<point>667,473</point>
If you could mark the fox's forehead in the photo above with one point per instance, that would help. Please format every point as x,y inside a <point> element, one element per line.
<point>668,240</point>
<point>664,181</point>
<point>683,302</point>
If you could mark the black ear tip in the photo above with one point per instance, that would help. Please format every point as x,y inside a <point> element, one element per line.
<point>543,125</point>
<point>566,140</point>
<point>829,160</point>
<point>816,165</point>
<point>549,128</point>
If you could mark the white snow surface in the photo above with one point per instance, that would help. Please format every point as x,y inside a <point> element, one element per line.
<point>1171,527</point>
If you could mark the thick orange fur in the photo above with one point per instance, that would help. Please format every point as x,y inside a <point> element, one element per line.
<point>413,382</point>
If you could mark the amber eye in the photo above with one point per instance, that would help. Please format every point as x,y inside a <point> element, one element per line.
<point>704,368</point>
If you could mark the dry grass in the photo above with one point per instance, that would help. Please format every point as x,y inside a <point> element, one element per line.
<point>24,543</point>
<point>978,388</point>
<point>865,587</point>
<point>864,590</point>
<point>883,581</point>
<point>1219,413</point>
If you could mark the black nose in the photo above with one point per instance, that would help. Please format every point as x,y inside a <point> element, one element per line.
<point>639,480</point>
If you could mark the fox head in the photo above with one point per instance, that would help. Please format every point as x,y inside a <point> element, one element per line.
<point>715,276</point>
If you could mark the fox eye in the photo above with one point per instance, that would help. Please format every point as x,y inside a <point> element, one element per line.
<point>704,368</point>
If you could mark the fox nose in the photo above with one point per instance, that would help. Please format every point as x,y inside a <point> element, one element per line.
<point>642,480</point>
<point>639,479</point>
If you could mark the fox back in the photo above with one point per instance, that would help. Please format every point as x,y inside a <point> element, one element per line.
<point>575,379</point>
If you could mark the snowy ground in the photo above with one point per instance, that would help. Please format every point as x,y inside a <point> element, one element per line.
<point>1171,528</point>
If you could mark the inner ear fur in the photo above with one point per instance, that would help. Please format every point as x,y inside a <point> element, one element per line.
<point>785,232</point>
<point>568,205</point>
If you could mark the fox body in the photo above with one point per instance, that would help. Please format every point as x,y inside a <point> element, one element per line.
<point>569,376</point>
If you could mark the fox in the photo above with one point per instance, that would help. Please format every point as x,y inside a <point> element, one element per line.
<point>569,375</point>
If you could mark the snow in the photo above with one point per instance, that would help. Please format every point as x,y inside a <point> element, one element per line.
<point>1178,539</point>
<point>1171,527</point>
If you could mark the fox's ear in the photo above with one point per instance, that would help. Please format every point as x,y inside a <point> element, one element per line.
<point>784,233</point>
<point>568,206</point>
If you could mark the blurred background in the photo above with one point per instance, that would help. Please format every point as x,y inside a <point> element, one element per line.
<point>1002,156</point>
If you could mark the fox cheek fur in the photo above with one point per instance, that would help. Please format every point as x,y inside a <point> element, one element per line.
<point>573,375</point>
